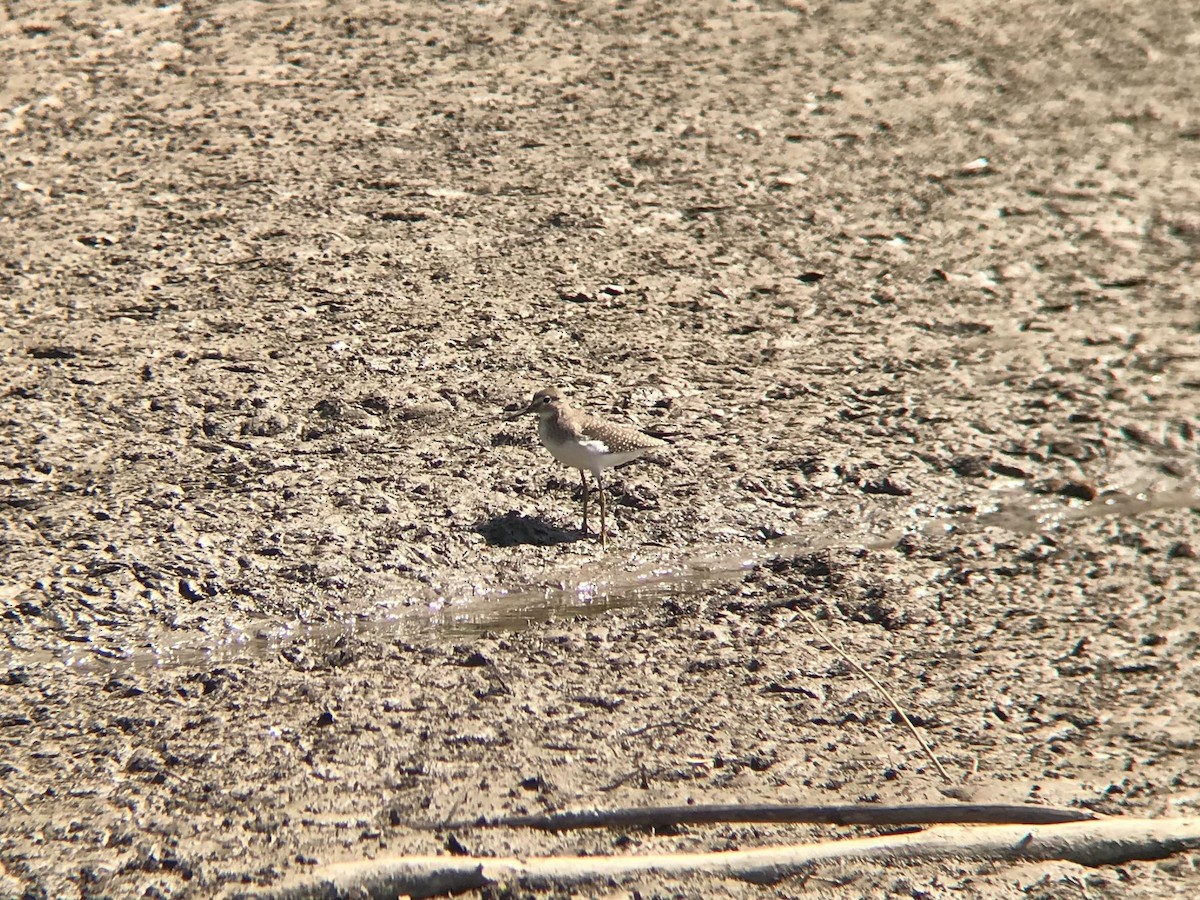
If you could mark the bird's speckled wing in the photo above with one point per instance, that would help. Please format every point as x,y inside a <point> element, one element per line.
<point>616,438</point>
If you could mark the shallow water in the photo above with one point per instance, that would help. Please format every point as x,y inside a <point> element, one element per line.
<point>598,588</point>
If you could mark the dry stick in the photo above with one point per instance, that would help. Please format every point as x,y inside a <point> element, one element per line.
<point>837,814</point>
<point>824,635</point>
<point>1101,842</point>
<point>15,799</point>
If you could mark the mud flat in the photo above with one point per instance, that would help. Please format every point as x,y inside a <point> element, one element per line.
<point>912,292</point>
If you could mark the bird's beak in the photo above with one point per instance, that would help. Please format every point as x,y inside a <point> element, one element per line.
<point>520,412</point>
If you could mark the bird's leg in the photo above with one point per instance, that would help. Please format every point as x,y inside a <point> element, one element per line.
<point>603,513</point>
<point>583,481</point>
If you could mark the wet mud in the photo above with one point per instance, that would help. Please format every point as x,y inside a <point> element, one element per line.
<point>911,292</point>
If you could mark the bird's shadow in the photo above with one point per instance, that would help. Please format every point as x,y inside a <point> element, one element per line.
<point>513,529</point>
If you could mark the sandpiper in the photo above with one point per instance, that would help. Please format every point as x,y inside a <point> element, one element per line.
<point>585,443</point>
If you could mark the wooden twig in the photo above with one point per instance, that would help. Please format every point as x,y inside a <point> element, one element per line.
<point>824,635</point>
<point>776,813</point>
<point>1101,842</point>
<point>15,799</point>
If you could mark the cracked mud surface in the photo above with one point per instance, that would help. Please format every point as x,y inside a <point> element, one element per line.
<point>917,287</point>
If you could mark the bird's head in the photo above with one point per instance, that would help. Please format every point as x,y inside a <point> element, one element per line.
<point>546,402</point>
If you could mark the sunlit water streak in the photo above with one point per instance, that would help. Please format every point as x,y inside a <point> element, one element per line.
<point>598,589</point>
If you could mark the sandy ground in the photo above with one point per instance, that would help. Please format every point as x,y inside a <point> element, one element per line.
<point>911,289</point>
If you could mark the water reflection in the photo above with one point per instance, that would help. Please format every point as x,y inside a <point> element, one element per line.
<point>597,589</point>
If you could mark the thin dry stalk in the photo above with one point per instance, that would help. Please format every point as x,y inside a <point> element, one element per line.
<point>824,635</point>
<point>15,799</point>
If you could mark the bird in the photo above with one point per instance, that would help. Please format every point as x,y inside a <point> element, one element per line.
<point>585,442</point>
